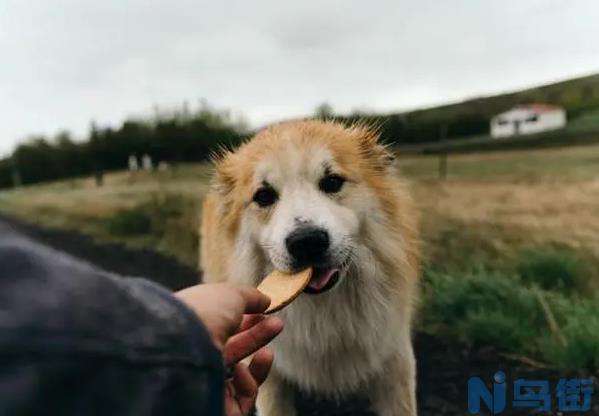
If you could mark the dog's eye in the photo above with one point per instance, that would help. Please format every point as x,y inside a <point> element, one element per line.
<point>331,183</point>
<point>265,197</point>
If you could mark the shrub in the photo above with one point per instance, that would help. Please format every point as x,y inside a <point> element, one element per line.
<point>161,209</point>
<point>168,220</point>
<point>483,307</point>
<point>581,333</point>
<point>175,224</point>
<point>130,222</point>
<point>501,310</point>
<point>553,270</point>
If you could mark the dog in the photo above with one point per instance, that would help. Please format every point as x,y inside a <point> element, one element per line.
<point>323,195</point>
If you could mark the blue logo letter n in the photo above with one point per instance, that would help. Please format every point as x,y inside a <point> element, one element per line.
<point>477,391</point>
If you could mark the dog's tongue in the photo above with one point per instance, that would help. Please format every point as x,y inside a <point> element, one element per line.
<point>320,278</point>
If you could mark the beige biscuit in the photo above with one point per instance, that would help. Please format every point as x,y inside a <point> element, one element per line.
<point>283,288</point>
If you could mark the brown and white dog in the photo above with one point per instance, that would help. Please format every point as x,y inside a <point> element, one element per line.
<point>312,193</point>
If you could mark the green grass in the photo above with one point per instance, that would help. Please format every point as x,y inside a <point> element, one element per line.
<point>482,307</point>
<point>164,222</point>
<point>587,121</point>
<point>494,308</point>
<point>128,222</point>
<point>553,270</point>
<point>580,329</point>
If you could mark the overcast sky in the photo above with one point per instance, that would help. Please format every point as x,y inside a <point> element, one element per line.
<point>66,62</point>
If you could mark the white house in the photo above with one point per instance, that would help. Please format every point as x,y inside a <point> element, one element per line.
<point>527,119</point>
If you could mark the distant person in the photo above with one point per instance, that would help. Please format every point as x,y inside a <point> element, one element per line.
<point>146,162</point>
<point>133,164</point>
<point>75,340</point>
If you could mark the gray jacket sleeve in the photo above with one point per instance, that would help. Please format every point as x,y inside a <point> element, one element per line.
<point>75,340</point>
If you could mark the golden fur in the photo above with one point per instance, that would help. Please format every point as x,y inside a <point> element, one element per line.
<point>356,337</point>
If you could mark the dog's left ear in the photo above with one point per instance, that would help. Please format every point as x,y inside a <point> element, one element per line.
<point>386,156</point>
<point>375,151</point>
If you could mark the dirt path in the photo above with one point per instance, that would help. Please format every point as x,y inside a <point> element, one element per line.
<point>444,366</point>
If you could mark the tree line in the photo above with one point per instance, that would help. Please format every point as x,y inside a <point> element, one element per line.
<point>185,136</point>
<point>180,136</point>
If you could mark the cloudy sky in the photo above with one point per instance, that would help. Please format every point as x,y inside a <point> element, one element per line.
<point>66,62</point>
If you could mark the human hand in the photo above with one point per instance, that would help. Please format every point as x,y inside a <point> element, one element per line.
<point>232,317</point>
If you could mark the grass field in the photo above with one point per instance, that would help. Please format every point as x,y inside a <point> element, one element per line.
<point>506,236</point>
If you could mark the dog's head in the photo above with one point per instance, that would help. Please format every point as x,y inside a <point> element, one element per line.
<point>299,193</point>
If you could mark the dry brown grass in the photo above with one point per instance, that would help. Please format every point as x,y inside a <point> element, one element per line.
<point>493,221</point>
<point>57,202</point>
<point>544,210</point>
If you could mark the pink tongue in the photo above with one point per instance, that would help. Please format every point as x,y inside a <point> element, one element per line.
<point>321,277</point>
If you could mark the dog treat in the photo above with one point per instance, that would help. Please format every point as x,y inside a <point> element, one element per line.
<point>283,288</point>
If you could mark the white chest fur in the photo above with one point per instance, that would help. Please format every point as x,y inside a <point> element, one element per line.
<point>335,342</point>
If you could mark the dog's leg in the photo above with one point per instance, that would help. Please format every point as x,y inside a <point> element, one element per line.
<point>394,393</point>
<point>275,397</point>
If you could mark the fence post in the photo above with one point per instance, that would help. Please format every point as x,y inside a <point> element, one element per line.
<point>16,178</point>
<point>442,168</point>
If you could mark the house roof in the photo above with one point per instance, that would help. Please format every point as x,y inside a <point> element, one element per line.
<point>529,108</point>
<point>538,107</point>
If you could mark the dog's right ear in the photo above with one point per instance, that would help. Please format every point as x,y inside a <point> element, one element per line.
<point>223,185</point>
<point>225,177</point>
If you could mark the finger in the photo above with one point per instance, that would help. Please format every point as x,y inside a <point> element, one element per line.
<point>246,388</point>
<point>247,342</point>
<point>261,364</point>
<point>231,404</point>
<point>255,301</point>
<point>249,321</point>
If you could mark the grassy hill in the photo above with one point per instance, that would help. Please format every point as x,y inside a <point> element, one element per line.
<point>579,96</point>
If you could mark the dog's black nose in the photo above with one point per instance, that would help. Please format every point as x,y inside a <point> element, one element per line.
<point>307,245</point>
